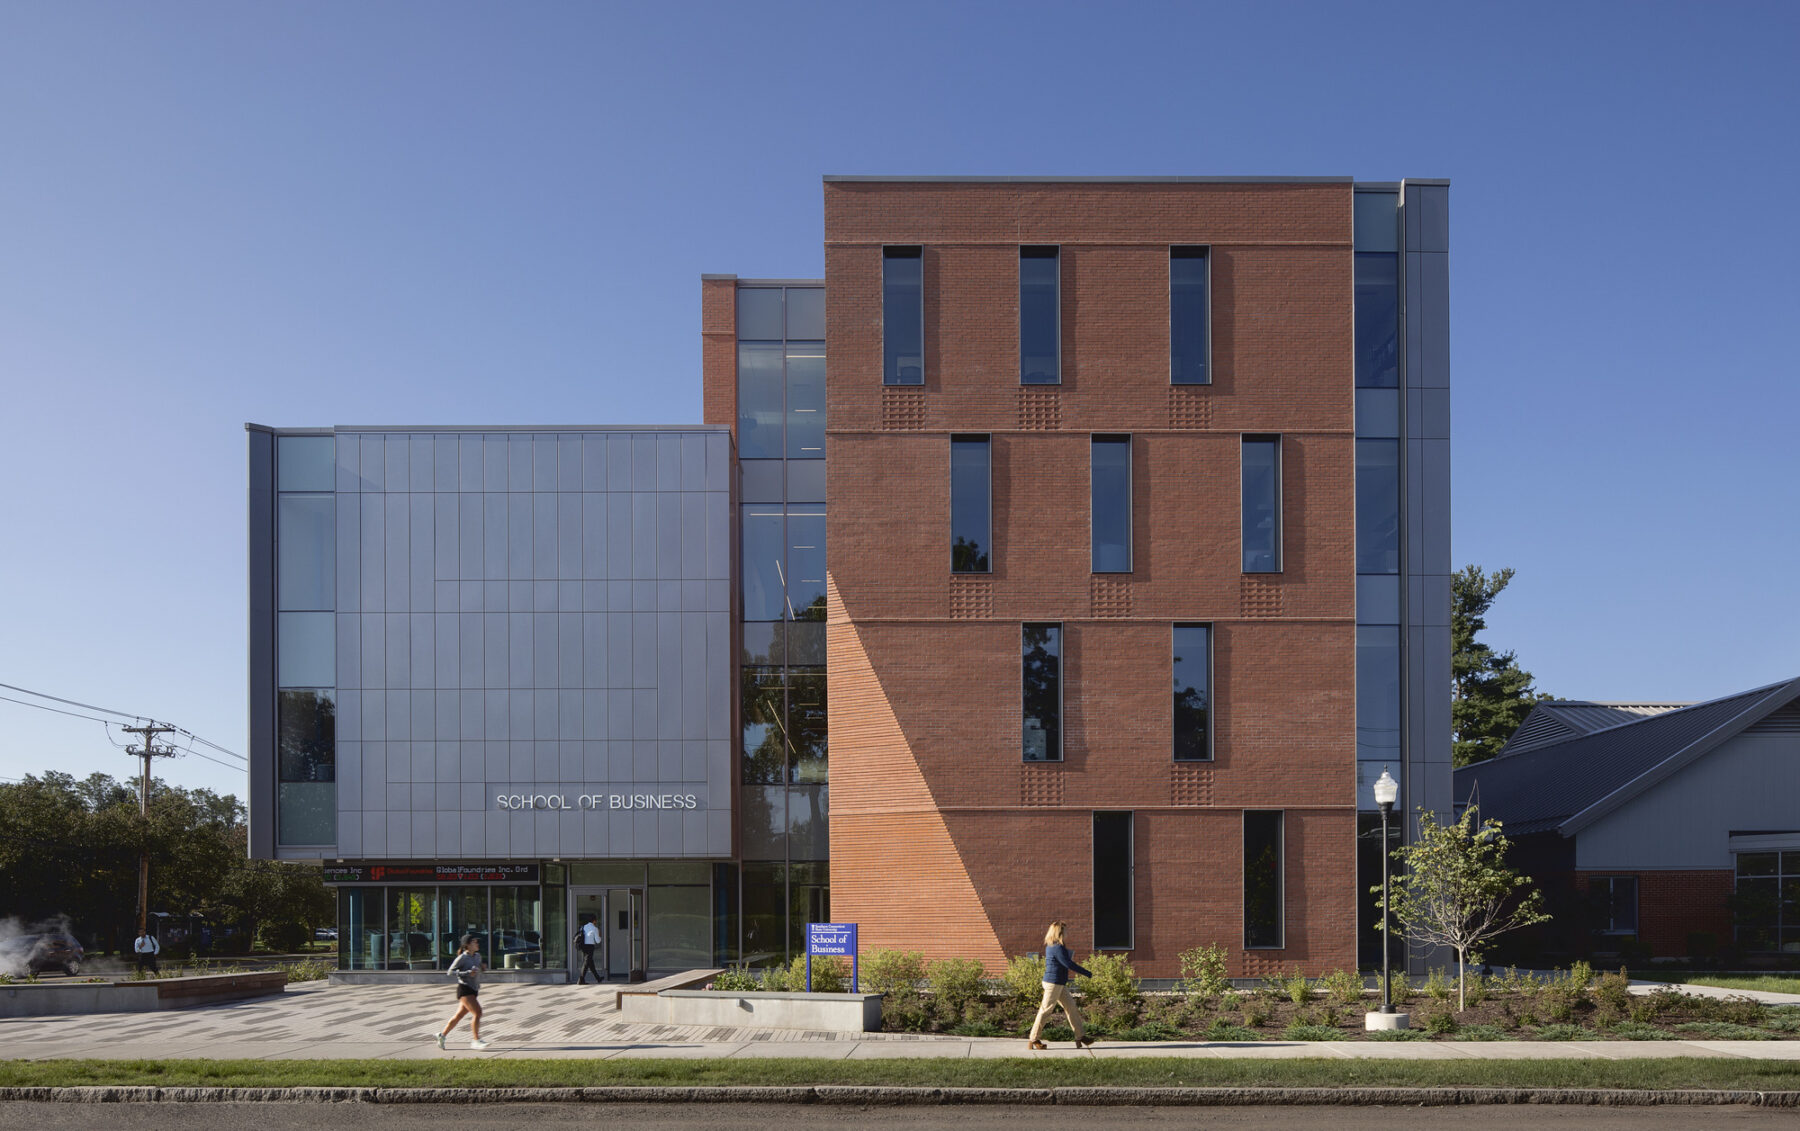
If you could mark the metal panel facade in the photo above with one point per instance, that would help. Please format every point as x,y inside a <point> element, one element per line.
<point>533,632</point>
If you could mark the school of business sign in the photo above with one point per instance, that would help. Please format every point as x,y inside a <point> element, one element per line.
<point>835,940</point>
<point>602,801</point>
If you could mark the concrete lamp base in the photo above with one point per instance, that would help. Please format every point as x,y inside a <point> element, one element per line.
<point>1374,1022</point>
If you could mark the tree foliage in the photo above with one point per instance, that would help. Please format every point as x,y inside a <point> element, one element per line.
<point>1492,693</point>
<point>1453,889</point>
<point>70,851</point>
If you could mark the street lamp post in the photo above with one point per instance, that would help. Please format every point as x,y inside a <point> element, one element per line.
<point>1387,791</point>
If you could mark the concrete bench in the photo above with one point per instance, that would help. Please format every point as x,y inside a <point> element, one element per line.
<point>44,999</point>
<point>841,1013</point>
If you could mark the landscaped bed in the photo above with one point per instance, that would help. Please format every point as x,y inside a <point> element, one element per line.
<point>953,997</point>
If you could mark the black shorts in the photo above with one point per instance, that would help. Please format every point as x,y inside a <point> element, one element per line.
<point>463,991</point>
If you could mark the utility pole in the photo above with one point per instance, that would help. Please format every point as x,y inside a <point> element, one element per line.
<point>147,751</point>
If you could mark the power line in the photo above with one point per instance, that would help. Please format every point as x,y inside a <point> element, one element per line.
<point>57,710</point>
<point>73,703</point>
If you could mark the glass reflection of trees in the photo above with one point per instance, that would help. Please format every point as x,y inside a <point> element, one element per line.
<point>1041,678</point>
<point>1192,683</point>
<point>785,737</point>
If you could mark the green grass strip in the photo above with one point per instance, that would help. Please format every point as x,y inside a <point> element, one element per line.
<point>1770,983</point>
<point>924,1072</point>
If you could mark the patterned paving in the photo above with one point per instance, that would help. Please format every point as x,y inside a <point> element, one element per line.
<point>359,1022</point>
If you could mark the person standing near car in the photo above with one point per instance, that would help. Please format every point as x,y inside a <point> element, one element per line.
<point>466,969</point>
<point>1058,964</point>
<point>588,939</point>
<point>146,948</point>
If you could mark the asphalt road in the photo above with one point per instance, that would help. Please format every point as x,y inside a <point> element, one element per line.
<point>754,1117</point>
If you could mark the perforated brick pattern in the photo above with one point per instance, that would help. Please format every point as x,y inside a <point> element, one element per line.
<point>1040,784</point>
<point>1259,597</point>
<point>1190,406</point>
<point>971,598</point>
<point>1190,784</point>
<point>1040,410</point>
<point>902,410</point>
<point>1110,596</point>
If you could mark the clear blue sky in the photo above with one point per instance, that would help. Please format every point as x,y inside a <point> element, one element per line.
<point>429,212</point>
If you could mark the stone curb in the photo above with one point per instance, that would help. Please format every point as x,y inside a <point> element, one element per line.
<point>875,1095</point>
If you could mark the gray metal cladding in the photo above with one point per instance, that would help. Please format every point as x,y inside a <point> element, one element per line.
<point>539,615</point>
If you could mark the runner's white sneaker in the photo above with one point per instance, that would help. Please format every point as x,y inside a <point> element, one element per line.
<point>478,1044</point>
<point>440,1040</point>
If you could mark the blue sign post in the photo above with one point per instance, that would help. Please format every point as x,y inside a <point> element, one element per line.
<point>836,940</point>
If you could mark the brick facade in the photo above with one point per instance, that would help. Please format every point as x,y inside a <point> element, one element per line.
<point>942,839</point>
<point>1674,904</point>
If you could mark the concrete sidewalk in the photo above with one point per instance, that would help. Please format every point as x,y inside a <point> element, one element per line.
<point>527,1021</point>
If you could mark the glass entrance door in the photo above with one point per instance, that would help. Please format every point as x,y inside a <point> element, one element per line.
<point>624,933</point>
<point>588,904</point>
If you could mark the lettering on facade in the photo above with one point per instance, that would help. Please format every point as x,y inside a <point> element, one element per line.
<point>584,801</point>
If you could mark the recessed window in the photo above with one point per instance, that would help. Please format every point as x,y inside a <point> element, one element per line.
<point>1113,881</point>
<point>306,556</point>
<point>1192,648</point>
<point>1110,503</point>
<point>1040,315</point>
<point>1041,691</point>
<point>1190,316</point>
<point>305,463</point>
<point>1262,879</point>
<point>1261,476</point>
<point>760,399</point>
<point>971,510</point>
<point>1377,320</point>
<point>306,791</point>
<point>806,400</point>
<point>1767,895</point>
<point>903,315</point>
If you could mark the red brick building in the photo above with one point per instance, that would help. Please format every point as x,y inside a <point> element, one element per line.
<point>1125,502</point>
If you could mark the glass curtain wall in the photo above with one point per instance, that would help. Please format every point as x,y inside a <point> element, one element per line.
<point>305,640</point>
<point>1379,471</point>
<point>784,748</point>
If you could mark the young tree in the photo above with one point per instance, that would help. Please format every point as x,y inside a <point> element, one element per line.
<point>1453,889</point>
<point>1492,694</point>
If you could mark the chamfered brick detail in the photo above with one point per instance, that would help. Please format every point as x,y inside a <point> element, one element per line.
<point>1190,406</point>
<point>924,693</point>
<point>1190,784</point>
<point>902,409</point>
<point>895,870</point>
<point>1040,784</point>
<point>1040,410</point>
<point>971,597</point>
<point>1110,596</point>
<point>1261,596</point>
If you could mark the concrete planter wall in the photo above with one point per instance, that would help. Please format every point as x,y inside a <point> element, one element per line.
<point>43,999</point>
<point>844,1013</point>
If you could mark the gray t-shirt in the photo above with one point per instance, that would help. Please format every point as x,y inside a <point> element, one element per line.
<point>467,968</point>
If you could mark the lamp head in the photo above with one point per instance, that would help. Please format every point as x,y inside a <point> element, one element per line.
<point>1387,790</point>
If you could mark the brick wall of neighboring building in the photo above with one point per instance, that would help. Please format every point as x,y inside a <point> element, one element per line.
<point>718,346</point>
<point>939,654</point>
<point>1674,904</point>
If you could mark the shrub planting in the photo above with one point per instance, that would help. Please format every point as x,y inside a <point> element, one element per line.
<point>889,972</point>
<point>956,982</point>
<point>1113,979</point>
<point>1203,972</point>
<point>1024,978</point>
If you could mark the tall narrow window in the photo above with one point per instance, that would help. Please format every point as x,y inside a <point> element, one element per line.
<point>1112,881</point>
<point>903,315</point>
<point>1190,317</point>
<point>1616,901</point>
<point>1262,879</point>
<point>1041,692</point>
<point>1377,320</point>
<point>1040,316</point>
<point>760,399</point>
<point>1262,504</point>
<point>1377,506</point>
<point>1193,692</point>
<point>806,400</point>
<point>1110,503</point>
<point>970,504</point>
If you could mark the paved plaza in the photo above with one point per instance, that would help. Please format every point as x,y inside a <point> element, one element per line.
<point>319,1021</point>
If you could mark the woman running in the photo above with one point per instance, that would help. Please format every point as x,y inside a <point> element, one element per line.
<point>466,967</point>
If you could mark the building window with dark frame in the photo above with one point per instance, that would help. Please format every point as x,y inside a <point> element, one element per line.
<point>1113,881</point>
<point>1263,879</point>
<point>1041,692</point>
<point>971,504</point>
<point>1040,315</point>
<point>1109,478</point>
<point>1615,904</point>
<point>1191,650</point>
<point>1261,482</point>
<point>1765,898</point>
<point>903,315</point>
<point>1190,316</point>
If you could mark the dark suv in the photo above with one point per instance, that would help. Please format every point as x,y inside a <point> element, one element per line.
<point>50,951</point>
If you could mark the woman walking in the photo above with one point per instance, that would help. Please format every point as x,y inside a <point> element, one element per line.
<point>466,968</point>
<point>1058,963</point>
